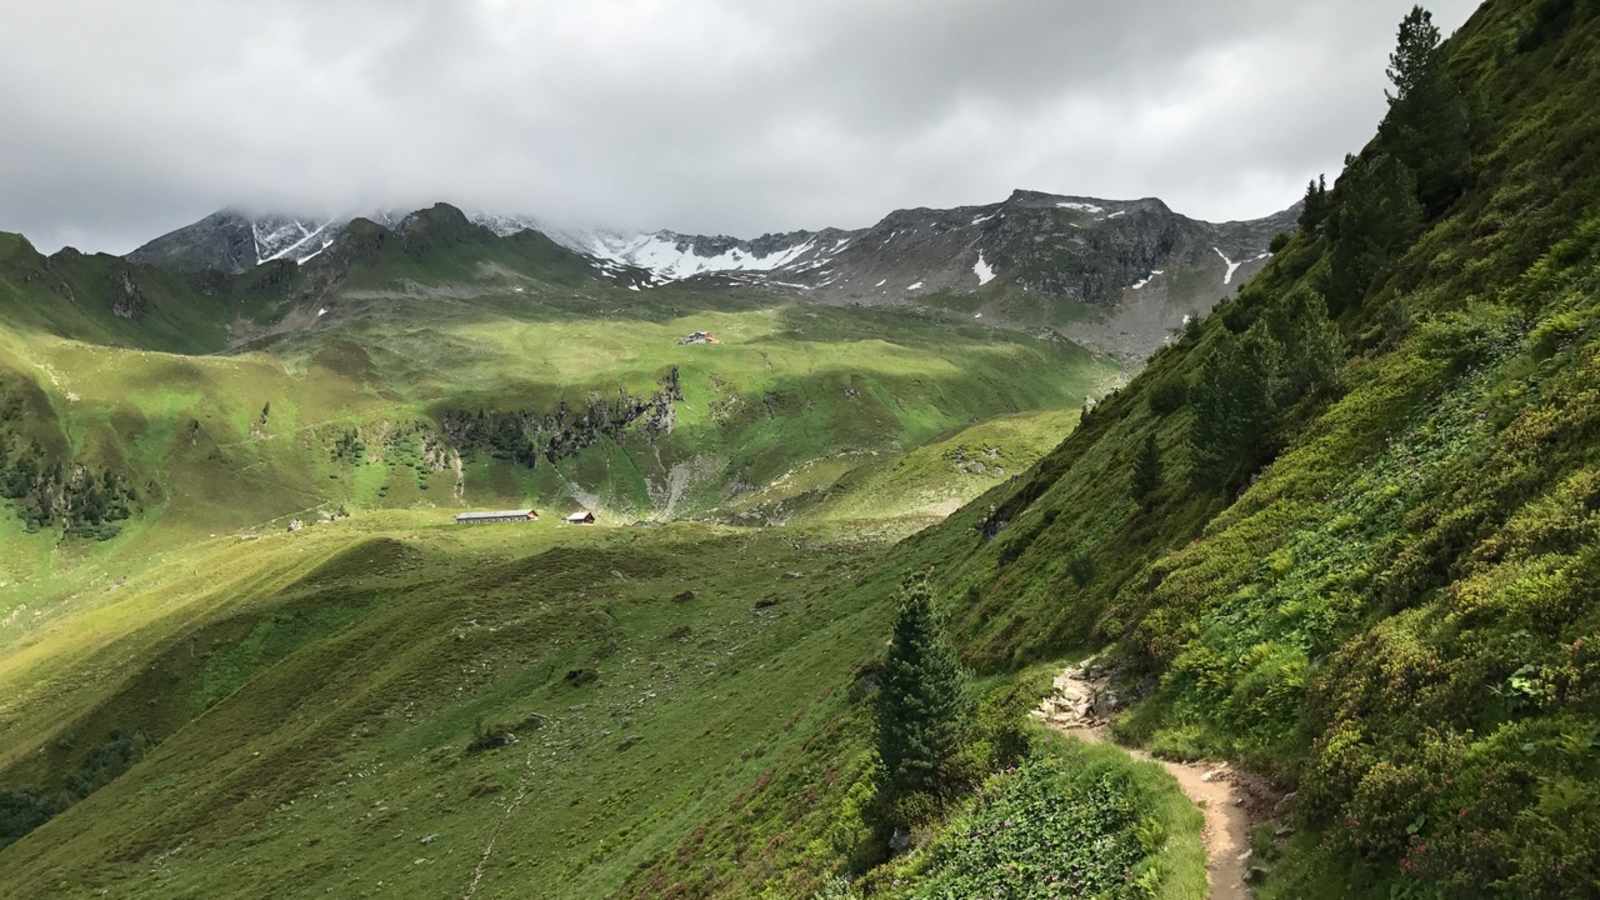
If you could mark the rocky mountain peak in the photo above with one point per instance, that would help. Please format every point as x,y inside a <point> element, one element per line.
<point>1120,275</point>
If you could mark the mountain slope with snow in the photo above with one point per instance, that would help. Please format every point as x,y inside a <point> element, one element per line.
<point>1119,275</point>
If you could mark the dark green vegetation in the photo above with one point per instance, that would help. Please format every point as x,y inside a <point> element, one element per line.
<point>921,706</point>
<point>1368,570</point>
<point>46,487</point>
<point>1075,820</point>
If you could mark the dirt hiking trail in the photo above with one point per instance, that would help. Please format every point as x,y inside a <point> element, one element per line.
<point>1080,705</point>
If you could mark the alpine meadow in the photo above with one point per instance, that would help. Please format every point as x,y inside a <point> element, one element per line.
<point>1053,546</point>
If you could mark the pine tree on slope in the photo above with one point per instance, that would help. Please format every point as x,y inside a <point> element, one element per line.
<point>1232,403</point>
<point>921,702</point>
<point>1428,125</point>
<point>1377,218</point>
<point>1314,208</point>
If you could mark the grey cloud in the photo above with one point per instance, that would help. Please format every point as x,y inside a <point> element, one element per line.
<point>123,120</point>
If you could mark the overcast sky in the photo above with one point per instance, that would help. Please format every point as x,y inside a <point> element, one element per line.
<point>120,120</point>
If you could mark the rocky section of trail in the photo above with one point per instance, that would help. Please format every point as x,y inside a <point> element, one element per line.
<point>1081,704</point>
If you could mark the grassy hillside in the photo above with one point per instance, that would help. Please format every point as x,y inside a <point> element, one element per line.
<point>210,444</point>
<point>1371,580</point>
<point>194,693</point>
<point>107,300</point>
<point>385,705</point>
<point>433,368</point>
<point>319,706</point>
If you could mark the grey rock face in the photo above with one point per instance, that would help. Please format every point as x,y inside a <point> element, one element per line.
<point>1119,275</point>
<point>230,240</point>
<point>128,300</point>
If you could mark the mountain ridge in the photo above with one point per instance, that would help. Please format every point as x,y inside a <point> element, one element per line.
<point>1118,275</point>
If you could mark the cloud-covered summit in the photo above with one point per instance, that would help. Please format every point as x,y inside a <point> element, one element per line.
<point>126,120</point>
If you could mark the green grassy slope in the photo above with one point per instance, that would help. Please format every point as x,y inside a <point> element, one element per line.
<point>786,386</point>
<point>929,482</point>
<point>324,717</point>
<point>107,300</point>
<point>193,694</point>
<point>335,394</point>
<point>385,706</point>
<point>1386,602</point>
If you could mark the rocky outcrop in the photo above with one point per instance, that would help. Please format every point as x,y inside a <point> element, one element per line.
<point>438,227</point>
<point>231,240</point>
<point>1081,696</point>
<point>128,301</point>
<point>527,435</point>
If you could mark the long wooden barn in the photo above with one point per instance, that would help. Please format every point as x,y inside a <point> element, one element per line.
<point>496,516</point>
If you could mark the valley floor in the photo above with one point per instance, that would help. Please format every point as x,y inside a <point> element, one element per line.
<point>390,706</point>
<point>378,705</point>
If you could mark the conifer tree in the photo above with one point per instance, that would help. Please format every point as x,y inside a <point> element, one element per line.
<point>1415,54</point>
<point>1315,206</point>
<point>1232,404</point>
<point>1313,350</point>
<point>1146,470</point>
<point>921,702</point>
<point>1427,125</point>
<point>1377,218</point>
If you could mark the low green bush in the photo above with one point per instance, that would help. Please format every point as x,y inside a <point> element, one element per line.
<point>1073,820</point>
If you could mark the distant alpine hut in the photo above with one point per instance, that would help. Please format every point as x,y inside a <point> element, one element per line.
<point>581,517</point>
<point>496,516</point>
<point>699,337</point>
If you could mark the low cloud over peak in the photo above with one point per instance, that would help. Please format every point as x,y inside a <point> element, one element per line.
<point>126,120</point>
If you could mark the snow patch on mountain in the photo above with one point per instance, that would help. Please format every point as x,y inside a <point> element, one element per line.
<point>278,236</point>
<point>294,251</point>
<point>1081,207</point>
<point>674,257</point>
<point>1232,266</point>
<point>983,270</point>
<point>1139,285</point>
<point>302,260</point>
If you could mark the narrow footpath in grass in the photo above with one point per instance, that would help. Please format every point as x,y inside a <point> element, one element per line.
<point>1075,707</point>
